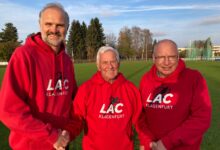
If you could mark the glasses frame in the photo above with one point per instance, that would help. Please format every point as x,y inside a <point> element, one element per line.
<point>169,58</point>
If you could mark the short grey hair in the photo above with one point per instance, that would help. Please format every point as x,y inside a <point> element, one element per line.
<point>104,49</point>
<point>58,6</point>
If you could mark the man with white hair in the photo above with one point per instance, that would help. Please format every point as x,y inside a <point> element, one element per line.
<point>109,104</point>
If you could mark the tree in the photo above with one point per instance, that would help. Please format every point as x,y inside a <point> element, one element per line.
<point>76,43</point>
<point>94,38</point>
<point>125,43</point>
<point>183,54</point>
<point>147,43</point>
<point>110,39</point>
<point>9,33</point>
<point>7,48</point>
<point>8,41</point>
<point>74,39</point>
<point>137,43</point>
<point>83,30</point>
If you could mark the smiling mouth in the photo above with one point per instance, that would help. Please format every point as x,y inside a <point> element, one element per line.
<point>53,36</point>
<point>166,67</point>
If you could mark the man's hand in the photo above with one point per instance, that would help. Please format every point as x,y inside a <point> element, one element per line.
<point>141,147</point>
<point>160,145</point>
<point>157,145</point>
<point>62,140</point>
<point>153,145</point>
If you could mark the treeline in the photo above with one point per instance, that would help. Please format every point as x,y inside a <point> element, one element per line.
<point>84,40</point>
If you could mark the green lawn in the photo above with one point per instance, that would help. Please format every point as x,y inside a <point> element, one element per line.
<point>133,71</point>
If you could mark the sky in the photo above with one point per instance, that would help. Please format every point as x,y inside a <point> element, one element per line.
<point>180,20</point>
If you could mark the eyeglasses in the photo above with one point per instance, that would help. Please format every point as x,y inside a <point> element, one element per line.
<point>169,58</point>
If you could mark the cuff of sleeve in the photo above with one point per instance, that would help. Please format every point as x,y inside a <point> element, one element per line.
<point>74,127</point>
<point>167,143</point>
<point>53,136</point>
<point>146,143</point>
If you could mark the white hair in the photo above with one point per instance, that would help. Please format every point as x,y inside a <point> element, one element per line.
<point>104,49</point>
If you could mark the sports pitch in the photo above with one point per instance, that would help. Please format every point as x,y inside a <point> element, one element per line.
<point>133,71</point>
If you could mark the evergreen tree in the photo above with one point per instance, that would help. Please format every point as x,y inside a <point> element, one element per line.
<point>83,30</point>
<point>74,39</point>
<point>100,34</point>
<point>9,33</point>
<point>8,41</point>
<point>94,38</point>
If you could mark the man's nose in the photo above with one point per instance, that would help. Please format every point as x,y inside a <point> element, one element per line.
<point>54,29</point>
<point>110,65</point>
<point>166,60</point>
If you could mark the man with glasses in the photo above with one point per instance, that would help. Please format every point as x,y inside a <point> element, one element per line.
<point>177,107</point>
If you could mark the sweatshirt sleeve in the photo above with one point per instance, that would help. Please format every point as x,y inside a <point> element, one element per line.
<point>78,113</point>
<point>79,107</point>
<point>144,134</point>
<point>137,106</point>
<point>74,125</point>
<point>198,121</point>
<point>15,112</point>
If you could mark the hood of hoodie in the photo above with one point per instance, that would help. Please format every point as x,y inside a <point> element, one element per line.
<point>36,40</point>
<point>172,77</point>
<point>98,79</point>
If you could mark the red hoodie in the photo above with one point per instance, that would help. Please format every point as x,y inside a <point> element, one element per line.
<point>178,107</point>
<point>36,95</point>
<point>109,110</point>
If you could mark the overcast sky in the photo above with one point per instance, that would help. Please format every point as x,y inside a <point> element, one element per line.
<point>181,21</point>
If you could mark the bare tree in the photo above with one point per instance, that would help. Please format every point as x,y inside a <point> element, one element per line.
<point>147,42</point>
<point>141,41</point>
<point>110,39</point>
<point>136,40</point>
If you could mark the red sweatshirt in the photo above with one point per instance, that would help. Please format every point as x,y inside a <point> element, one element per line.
<point>178,107</point>
<point>36,95</point>
<point>109,110</point>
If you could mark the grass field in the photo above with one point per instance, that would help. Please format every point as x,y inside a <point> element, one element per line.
<point>133,71</point>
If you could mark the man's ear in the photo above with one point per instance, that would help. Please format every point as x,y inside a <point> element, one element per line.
<point>97,65</point>
<point>153,57</point>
